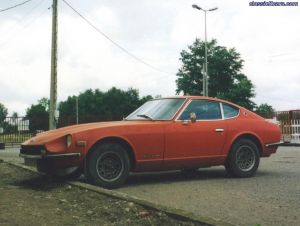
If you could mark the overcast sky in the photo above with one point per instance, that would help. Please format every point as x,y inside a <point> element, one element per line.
<point>156,31</point>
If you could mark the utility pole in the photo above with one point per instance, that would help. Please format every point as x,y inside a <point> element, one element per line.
<point>53,85</point>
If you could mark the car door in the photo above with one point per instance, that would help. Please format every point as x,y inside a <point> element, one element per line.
<point>188,142</point>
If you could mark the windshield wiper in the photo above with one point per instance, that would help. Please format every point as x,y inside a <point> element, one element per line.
<point>145,116</point>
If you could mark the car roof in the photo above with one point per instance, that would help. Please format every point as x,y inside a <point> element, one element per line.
<point>201,98</point>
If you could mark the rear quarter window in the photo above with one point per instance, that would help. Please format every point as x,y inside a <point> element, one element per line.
<point>230,111</point>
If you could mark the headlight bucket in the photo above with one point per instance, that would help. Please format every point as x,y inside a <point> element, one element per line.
<point>69,140</point>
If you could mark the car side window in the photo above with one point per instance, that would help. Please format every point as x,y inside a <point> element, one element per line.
<point>230,111</point>
<point>204,110</point>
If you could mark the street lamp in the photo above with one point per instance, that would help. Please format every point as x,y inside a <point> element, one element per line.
<point>205,74</point>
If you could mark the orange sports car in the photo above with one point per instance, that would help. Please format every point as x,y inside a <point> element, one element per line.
<point>185,133</point>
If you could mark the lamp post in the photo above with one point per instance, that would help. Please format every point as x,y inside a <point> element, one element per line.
<point>205,74</point>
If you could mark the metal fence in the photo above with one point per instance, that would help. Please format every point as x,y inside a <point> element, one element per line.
<point>14,130</point>
<point>289,122</point>
<point>295,131</point>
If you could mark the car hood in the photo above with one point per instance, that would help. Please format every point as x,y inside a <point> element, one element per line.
<point>50,135</point>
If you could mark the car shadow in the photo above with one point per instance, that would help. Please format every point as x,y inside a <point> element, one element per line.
<point>169,177</point>
<point>40,183</point>
<point>47,183</point>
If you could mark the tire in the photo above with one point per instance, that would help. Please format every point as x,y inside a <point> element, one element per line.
<point>243,159</point>
<point>108,165</point>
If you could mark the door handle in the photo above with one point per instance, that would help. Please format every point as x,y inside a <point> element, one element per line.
<point>219,130</point>
<point>185,122</point>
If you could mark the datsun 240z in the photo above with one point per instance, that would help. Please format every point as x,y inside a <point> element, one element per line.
<point>184,133</point>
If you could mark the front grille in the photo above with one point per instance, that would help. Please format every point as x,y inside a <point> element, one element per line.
<point>31,149</point>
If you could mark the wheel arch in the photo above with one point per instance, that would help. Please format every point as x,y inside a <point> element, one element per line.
<point>117,140</point>
<point>251,137</point>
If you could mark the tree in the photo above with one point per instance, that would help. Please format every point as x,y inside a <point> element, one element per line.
<point>45,102</point>
<point>95,105</point>
<point>15,114</point>
<point>265,110</point>
<point>226,80</point>
<point>14,118</point>
<point>119,104</point>
<point>145,99</point>
<point>38,115</point>
<point>3,113</point>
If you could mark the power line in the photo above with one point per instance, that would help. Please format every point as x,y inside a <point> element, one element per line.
<point>21,20</point>
<point>15,6</point>
<point>114,42</point>
<point>32,9</point>
<point>13,35</point>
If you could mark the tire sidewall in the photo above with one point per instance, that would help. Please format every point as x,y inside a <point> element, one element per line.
<point>231,164</point>
<point>101,150</point>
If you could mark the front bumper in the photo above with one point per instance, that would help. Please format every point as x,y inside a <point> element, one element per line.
<point>45,161</point>
<point>40,152</point>
<point>49,156</point>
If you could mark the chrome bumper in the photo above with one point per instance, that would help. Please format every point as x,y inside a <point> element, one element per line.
<point>47,156</point>
<point>274,144</point>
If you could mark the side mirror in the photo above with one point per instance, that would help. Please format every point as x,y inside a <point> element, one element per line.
<point>193,117</point>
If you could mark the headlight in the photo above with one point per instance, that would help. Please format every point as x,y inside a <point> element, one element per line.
<point>69,140</point>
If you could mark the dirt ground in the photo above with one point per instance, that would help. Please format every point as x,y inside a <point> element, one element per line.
<point>29,199</point>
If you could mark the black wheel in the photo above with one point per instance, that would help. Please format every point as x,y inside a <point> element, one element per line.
<point>243,159</point>
<point>108,165</point>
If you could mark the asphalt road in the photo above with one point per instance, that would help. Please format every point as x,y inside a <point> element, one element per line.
<point>272,197</point>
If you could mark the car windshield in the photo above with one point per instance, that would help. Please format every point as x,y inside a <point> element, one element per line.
<point>158,109</point>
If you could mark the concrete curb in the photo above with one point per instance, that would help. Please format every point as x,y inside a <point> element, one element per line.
<point>173,212</point>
